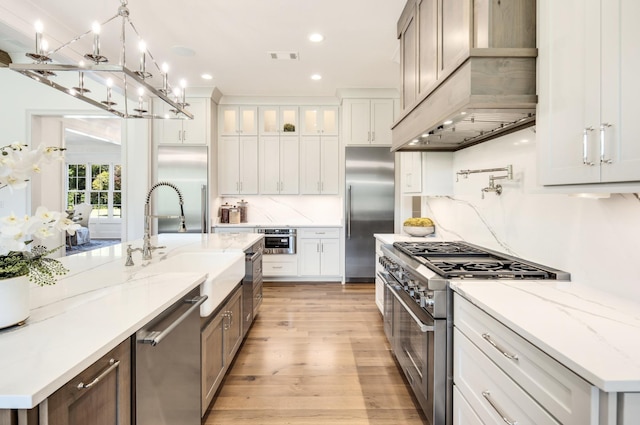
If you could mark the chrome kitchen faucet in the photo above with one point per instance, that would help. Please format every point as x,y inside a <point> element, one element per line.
<point>147,248</point>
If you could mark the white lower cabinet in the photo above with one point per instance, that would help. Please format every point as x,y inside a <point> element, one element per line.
<point>492,394</point>
<point>280,265</point>
<point>463,413</point>
<point>502,375</point>
<point>319,251</point>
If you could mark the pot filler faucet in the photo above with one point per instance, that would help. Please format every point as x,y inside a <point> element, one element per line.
<point>147,248</point>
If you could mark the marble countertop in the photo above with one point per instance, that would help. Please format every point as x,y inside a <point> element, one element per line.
<point>95,307</point>
<point>594,334</point>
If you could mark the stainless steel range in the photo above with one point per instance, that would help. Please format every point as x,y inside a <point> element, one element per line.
<point>418,309</point>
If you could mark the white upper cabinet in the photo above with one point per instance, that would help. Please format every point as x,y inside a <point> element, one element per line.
<point>319,120</point>
<point>588,66</point>
<point>319,168</point>
<point>238,120</point>
<point>367,121</point>
<point>279,165</point>
<point>195,131</point>
<point>278,120</point>
<point>238,165</point>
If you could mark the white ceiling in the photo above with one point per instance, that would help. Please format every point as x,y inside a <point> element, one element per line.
<point>230,40</point>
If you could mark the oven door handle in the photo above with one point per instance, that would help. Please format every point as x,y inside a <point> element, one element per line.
<point>422,326</point>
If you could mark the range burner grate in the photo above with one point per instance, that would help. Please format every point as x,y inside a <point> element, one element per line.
<point>504,269</point>
<point>433,249</point>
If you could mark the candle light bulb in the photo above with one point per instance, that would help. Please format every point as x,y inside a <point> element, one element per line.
<point>142,46</point>
<point>39,28</point>
<point>95,27</point>
<point>81,64</point>
<point>165,68</point>
<point>140,91</point>
<point>183,84</point>
<point>109,82</point>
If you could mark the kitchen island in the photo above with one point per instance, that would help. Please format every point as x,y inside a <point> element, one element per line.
<point>95,307</point>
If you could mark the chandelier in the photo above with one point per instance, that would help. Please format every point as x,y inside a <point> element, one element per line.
<point>137,86</point>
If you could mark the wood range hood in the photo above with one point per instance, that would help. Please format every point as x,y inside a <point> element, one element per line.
<point>458,95</point>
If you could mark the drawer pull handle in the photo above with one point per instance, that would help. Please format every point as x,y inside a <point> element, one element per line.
<point>487,395</point>
<point>504,352</point>
<point>113,364</point>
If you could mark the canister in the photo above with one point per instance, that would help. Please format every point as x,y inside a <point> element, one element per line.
<point>234,215</point>
<point>242,206</point>
<point>224,213</point>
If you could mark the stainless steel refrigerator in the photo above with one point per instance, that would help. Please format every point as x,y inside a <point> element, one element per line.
<point>187,168</point>
<point>369,204</point>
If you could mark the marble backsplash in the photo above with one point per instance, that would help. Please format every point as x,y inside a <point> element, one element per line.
<point>289,209</point>
<point>596,240</point>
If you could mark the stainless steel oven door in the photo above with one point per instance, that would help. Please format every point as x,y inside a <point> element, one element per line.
<point>387,307</point>
<point>419,343</point>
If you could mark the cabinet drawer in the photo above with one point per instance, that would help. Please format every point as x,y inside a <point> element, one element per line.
<point>99,394</point>
<point>463,413</point>
<point>319,233</point>
<point>563,393</point>
<point>280,267</point>
<point>489,391</point>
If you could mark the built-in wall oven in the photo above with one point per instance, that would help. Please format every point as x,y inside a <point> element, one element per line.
<point>279,241</point>
<point>418,309</point>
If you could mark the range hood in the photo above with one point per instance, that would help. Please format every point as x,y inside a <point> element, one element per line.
<point>491,93</point>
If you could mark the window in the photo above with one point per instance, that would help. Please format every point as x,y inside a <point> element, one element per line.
<point>102,188</point>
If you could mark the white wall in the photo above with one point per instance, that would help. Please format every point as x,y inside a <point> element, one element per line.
<point>596,240</point>
<point>22,98</point>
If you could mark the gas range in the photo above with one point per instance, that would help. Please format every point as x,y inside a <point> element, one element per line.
<point>418,309</point>
<point>423,269</point>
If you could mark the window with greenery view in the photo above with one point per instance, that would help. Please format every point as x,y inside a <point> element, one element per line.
<point>98,184</point>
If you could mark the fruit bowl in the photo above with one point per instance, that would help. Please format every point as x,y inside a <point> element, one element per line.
<point>419,231</point>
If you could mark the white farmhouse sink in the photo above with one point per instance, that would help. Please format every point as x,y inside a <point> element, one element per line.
<point>224,269</point>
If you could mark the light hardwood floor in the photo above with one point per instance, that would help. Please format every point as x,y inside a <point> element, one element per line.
<point>316,354</point>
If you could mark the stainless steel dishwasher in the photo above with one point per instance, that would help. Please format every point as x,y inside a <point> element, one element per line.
<point>168,365</point>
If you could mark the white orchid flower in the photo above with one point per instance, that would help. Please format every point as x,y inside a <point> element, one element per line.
<point>68,226</point>
<point>47,216</point>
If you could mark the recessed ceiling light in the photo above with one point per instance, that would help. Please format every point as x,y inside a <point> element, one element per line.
<point>316,77</point>
<point>448,122</point>
<point>206,76</point>
<point>183,51</point>
<point>316,37</point>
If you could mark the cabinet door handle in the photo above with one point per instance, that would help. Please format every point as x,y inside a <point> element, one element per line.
<point>487,395</point>
<point>495,345</point>
<point>184,135</point>
<point>113,364</point>
<point>318,247</point>
<point>368,136</point>
<point>373,136</point>
<point>179,136</point>
<point>585,146</point>
<point>603,160</point>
